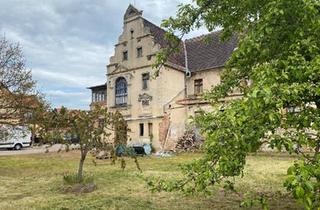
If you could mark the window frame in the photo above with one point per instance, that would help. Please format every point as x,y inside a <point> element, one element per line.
<point>141,129</point>
<point>121,92</point>
<point>132,34</point>
<point>125,55</point>
<point>145,80</point>
<point>198,86</point>
<point>139,52</point>
<point>150,129</point>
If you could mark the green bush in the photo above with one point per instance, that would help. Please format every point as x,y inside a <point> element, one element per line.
<point>72,179</point>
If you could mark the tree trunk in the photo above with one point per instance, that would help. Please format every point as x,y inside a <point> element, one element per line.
<point>80,169</point>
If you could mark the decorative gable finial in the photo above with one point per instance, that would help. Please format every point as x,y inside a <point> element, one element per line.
<point>132,11</point>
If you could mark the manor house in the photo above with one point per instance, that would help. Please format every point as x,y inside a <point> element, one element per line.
<point>158,109</point>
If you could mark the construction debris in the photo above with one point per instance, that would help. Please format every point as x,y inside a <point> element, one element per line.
<point>164,154</point>
<point>191,141</point>
<point>103,155</point>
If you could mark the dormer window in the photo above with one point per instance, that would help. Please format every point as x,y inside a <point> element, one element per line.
<point>125,55</point>
<point>139,52</point>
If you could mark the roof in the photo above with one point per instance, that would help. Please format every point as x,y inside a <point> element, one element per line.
<point>101,87</point>
<point>208,52</point>
<point>159,37</point>
<point>204,52</point>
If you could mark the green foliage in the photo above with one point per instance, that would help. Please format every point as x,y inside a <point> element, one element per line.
<point>276,66</point>
<point>120,148</point>
<point>303,181</point>
<point>93,129</point>
<point>72,179</point>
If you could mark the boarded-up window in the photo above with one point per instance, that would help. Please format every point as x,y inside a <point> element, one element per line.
<point>150,129</point>
<point>198,86</point>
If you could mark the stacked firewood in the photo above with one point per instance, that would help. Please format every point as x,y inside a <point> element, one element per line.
<point>189,142</point>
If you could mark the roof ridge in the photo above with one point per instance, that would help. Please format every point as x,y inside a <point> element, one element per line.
<point>196,38</point>
<point>153,24</point>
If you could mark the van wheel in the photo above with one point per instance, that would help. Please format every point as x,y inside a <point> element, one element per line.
<point>17,147</point>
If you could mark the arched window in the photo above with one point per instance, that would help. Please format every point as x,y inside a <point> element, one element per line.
<point>121,91</point>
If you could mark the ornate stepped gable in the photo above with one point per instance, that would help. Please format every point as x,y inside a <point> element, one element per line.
<point>131,12</point>
<point>204,52</point>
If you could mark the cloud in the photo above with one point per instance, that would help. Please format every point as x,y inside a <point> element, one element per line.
<point>67,44</point>
<point>67,98</point>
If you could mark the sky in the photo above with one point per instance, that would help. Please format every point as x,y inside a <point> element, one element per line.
<point>67,43</point>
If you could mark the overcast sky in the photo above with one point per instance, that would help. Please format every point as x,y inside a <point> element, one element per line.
<point>67,43</point>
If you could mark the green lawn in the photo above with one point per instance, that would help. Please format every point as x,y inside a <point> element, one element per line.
<point>34,181</point>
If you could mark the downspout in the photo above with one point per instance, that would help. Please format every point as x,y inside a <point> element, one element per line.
<point>188,72</point>
<point>187,75</point>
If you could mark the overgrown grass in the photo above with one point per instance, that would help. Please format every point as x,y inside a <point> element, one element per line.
<point>34,181</point>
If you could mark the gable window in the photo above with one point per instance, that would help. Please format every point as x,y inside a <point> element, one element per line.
<point>145,80</point>
<point>125,55</point>
<point>141,129</point>
<point>139,52</point>
<point>121,92</point>
<point>198,86</point>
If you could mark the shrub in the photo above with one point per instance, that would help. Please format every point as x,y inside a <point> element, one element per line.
<point>72,179</point>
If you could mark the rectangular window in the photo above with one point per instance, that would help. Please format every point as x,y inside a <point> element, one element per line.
<point>141,128</point>
<point>145,80</point>
<point>125,55</point>
<point>139,52</point>
<point>198,86</point>
<point>150,129</point>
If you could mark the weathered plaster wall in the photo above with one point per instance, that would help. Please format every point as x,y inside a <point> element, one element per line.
<point>160,90</point>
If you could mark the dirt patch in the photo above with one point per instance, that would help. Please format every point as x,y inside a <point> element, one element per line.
<point>79,188</point>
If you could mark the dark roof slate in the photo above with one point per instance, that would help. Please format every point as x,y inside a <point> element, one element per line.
<point>204,52</point>
<point>159,37</point>
<point>208,52</point>
<point>98,87</point>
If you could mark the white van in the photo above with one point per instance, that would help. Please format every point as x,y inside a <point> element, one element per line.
<point>14,137</point>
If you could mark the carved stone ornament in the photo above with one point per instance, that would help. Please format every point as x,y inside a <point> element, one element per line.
<point>145,99</point>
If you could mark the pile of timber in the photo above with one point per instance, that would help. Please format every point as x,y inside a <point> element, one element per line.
<point>189,142</point>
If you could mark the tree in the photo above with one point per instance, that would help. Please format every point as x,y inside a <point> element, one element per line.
<point>90,127</point>
<point>96,130</point>
<point>16,84</point>
<point>277,68</point>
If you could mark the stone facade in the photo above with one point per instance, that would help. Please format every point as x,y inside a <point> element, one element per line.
<point>157,109</point>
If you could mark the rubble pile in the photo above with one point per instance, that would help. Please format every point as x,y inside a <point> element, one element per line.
<point>189,142</point>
